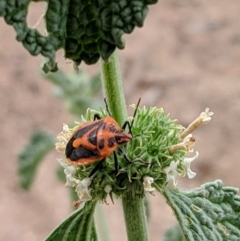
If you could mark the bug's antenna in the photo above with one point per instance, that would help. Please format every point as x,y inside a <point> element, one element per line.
<point>135,112</point>
<point>107,107</point>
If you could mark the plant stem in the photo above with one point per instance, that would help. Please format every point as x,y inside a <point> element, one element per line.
<point>135,218</point>
<point>113,88</point>
<point>133,207</point>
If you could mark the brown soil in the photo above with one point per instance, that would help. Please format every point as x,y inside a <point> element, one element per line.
<point>184,59</point>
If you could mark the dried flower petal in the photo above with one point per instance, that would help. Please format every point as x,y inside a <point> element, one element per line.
<point>187,144</point>
<point>65,128</point>
<point>203,118</point>
<point>60,146</point>
<point>63,138</point>
<point>206,116</point>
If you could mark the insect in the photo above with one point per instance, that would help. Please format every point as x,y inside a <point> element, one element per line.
<point>95,140</point>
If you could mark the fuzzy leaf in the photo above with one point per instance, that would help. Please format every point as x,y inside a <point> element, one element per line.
<point>32,155</point>
<point>79,226</point>
<point>173,234</point>
<point>86,29</point>
<point>15,14</point>
<point>211,212</point>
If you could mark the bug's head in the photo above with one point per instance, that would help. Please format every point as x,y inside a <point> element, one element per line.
<point>122,137</point>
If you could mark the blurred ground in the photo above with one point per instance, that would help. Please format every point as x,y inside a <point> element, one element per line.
<point>185,58</point>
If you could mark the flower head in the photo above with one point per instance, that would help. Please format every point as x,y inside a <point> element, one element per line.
<point>159,157</point>
<point>147,184</point>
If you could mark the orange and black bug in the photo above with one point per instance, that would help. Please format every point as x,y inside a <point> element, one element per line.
<point>95,140</point>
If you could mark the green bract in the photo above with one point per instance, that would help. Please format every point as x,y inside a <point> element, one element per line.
<point>154,132</point>
<point>87,30</point>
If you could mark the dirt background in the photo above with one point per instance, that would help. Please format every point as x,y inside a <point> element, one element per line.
<point>185,58</point>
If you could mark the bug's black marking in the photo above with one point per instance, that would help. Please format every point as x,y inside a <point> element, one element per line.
<point>101,143</point>
<point>112,128</point>
<point>85,129</point>
<point>69,148</point>
<point>102,126</point>
<point>83,152</point>
<point>92,137</point>
<point>111,142</point>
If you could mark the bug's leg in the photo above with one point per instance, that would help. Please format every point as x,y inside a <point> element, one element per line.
<point>127,123</point>
<point>135,112</point>
<point>97,167</point>
<point>129,160</point>
<point>125,155</point>
<point>96,117</point>
<point>116,164</point>
<point>108,111</point>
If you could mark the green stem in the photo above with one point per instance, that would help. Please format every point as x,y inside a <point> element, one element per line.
<point>113,88</point>
<point>135,218</point>
<point>133,207</point>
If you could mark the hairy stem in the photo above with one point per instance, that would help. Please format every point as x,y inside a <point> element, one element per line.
<point>135,218</point>
<point>133,207</point>
<point>113,88</point>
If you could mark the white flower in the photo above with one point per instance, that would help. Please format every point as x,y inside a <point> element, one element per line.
<point>147,184</point>
<point>172,173</point>
<point>82,189</point>
<point>69,171</point>
<point>187,162</point>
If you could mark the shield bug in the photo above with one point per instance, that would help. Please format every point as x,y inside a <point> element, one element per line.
<point>95,140</point>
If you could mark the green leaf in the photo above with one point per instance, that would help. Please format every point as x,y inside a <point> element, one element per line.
<point>174,234</point>
<point>79,226</point>
<point>85,29</point>
<point>15,13</point>
<point>211,212</point>
<point>32,155</point>
<point>95,28</point>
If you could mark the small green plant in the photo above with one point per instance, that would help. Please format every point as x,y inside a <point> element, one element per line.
<point>88,30</point>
